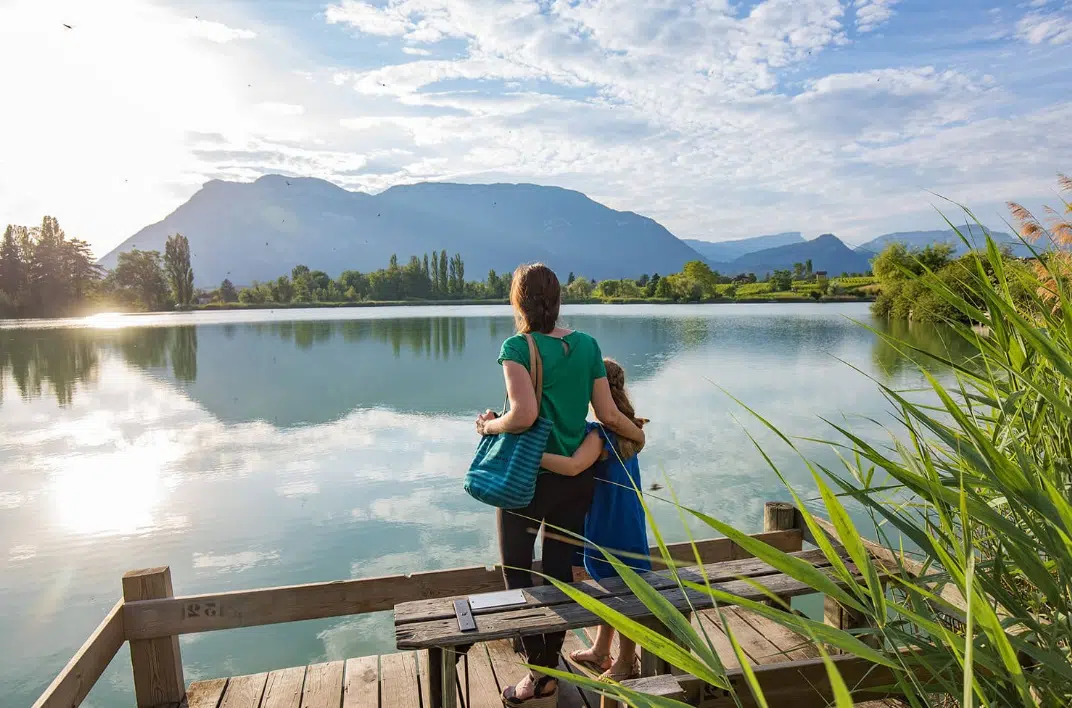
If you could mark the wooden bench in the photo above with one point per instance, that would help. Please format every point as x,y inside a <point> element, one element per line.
<point>431,624</point>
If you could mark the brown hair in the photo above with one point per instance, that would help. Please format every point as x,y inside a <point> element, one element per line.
<point>616,378</point>
<point>536,296</point>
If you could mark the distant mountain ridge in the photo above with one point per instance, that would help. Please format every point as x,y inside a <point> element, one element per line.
<point>261,230</point>
<point>826,253</point>
<point>921,239</point>
<point>725,251</point>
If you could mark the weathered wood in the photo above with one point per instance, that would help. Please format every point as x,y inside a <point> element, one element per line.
<point>791,646</point>
<point>323,685</point>
<point>244,691</point>
<point>481,689</point>
<point>537,620</point>
<point>506,663</point>
<point>779,516</point>
<point>74,682</point>
<point>156,663</point>
<point>205,694</point>
<point>398,681</point>
<point>547,595</point>
<point>283,689</point>
<point>801,684</point>
<point>650,663</point>
<point>709,623</point>
<point>149,619</point>
<point>664,686</point>
<point>361,687</point>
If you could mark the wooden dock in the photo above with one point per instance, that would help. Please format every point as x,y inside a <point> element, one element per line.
<point>149,619</point>
<point>397,680</point>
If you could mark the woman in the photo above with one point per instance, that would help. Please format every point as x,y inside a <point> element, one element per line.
<point>574,378</point>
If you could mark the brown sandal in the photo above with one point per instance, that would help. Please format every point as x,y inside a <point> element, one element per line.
<point>595,667</point>
<point>538,699</point>
<point>612,676</point>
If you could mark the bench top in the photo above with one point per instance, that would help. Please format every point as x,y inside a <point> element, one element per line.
<point>432,623</point>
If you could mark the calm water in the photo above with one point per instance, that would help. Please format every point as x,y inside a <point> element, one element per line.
<point>247,449</point>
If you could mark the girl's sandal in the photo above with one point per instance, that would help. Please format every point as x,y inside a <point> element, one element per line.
<point>539,699</point>
<point>595,666</point>
<point>612,676</point>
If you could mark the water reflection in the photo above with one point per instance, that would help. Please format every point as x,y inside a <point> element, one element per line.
<point>338,366</point>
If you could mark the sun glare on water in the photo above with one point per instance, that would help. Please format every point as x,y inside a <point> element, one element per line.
<point>113,493</point>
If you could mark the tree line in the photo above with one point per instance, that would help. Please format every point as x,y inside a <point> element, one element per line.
<point>43,273</point>
<point>439,277</point>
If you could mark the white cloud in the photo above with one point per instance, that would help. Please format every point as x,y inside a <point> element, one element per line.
<point>1046,28</point>
<point>281,109</point>
<point>416,51</point>
<point>216,31</point>
<point>872,13</point>
<point>385,22</point>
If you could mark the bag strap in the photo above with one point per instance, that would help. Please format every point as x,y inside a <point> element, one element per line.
<point>535,370</point>
<point>535,373</point>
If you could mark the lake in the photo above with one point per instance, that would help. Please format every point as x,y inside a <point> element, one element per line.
<point>248,449</point>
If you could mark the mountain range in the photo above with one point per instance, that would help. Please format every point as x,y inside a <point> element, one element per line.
<point>919,239</point>
<point>248,231</point>
<point>261,230</point>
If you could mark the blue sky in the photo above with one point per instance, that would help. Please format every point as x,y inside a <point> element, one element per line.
<point>720,119</point>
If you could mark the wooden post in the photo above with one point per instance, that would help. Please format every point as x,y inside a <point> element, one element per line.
<point>157,663</point>
<point>779,516</point>
<point>837,615</point>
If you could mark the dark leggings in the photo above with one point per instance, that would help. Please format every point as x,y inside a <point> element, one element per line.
<point>561,502</point>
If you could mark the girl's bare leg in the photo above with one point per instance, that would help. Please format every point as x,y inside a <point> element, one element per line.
<point>599,652</point>
<point>623,663</point>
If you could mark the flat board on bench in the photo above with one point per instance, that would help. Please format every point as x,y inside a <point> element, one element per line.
<point>546,595</point>
<point>424,627</point>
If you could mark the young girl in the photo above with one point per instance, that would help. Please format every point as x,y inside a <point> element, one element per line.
<point>615,520</point>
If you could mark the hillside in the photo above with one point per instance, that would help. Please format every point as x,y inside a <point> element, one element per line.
<point>920,239</point>
<point>826,253</point>
<point>725,251</point>
<point>260,230</point>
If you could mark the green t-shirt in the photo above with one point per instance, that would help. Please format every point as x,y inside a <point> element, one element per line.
<point>568,375</point>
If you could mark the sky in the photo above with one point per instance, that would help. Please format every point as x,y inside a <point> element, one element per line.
<point>719,119</point>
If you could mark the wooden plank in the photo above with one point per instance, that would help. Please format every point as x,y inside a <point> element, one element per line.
<point>547,595</point>
<point>323,685</point>
<point>205,694</point>
<point>148,619</point>
<point>482,690</point>
<point>711,623</point>
<point>801,684</point>
<point>758,648</point>
<point>506,663</point>
<point>244,691</point>
<point>74,682</point>
<point>536,620</point>
<point>574,642</point>
<point>398,681</point>
<point>156,663</point>
<point>283,689</point>
<point>361,687</point>
<point>794,646</point>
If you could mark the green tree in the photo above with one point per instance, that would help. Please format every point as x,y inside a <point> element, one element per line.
<point>282,290</point>
<point>580,288</point>
<point>414,284</point>
<point>228,292</point>
<point>570,279</point>
<point>493,285</point>
<point>444,283</point>
<point>299,271</point>
<point>798,271</point>
<point>642,281</point>
<point>139,280</point>
<point>356,281</point>
<point>83,273</point>
<point>437,285</point>
<point>807,267</point>
<point>781,280</point>
<point>177,266</point>
<point>48,285</point>
<point>653,284</point>
<point>12,266</point>
<point>663,289</point>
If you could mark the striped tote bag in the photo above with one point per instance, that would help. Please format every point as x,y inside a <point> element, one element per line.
<point>504,471</point>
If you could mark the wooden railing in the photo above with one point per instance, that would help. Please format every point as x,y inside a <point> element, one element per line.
<point>151,618</point>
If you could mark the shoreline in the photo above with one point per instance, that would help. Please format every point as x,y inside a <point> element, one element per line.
<point>222,307</point>
<point>211,307</point>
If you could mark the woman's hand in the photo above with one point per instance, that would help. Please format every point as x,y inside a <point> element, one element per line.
<point>483,418</point>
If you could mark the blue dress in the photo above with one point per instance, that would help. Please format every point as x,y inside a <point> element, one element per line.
<point>615,520</point>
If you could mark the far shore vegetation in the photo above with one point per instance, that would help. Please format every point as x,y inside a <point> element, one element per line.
<point>44,274</point>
